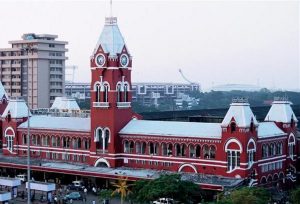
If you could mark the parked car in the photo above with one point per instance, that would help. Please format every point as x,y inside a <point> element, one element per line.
<point>73,195</point>
<point>76,185</point>
<point>22,177</point>
<point>164,201</point>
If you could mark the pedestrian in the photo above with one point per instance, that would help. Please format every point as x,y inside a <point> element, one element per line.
<point>23,195</point>
<point>55,199</point>
<point>94,190</point>
<point>94,202</point>
<point>71,200</point>
<point>85,191</point>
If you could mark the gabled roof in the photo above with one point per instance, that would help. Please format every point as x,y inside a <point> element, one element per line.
<point>63,103</point>
<point>17,109</point>
<point>269,129</point>
<point>111,39</point>
<point>58,123</point>
<point>2,92</point>
<point>241,113</point>
<point>171,128</point>
<point>281,111</point>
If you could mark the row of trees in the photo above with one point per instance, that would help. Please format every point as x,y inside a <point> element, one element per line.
<point>219,99</point>
<point>172,186</point>
<point>145,191</point>
<point>213,99</point>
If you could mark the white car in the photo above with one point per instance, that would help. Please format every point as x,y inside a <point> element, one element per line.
<point>22,177</point>
<point>164,201</point>
<point>76,185</point>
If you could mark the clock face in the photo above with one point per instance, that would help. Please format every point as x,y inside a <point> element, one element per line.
<point>100,60</point>
<point>124,60</point>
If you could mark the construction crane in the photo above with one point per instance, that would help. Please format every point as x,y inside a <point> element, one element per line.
<point>186,79</point>
<point>180,71</point>
<point>72,68</point>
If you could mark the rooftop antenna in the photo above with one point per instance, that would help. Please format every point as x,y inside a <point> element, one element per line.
<point>111,14</point>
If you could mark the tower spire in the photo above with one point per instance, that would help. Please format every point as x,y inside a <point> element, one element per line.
<point>111,14</point>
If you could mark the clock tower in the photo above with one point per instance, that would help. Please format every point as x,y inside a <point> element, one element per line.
<point>110,95</point>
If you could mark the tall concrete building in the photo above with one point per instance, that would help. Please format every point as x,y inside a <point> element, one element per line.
<point>37,75</point>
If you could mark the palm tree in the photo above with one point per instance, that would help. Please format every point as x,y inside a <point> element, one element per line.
<point>122,188</point>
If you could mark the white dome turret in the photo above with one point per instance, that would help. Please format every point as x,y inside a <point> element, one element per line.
<point>281,111</point>
<point>241,113</point>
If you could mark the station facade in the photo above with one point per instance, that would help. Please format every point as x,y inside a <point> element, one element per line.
<point>114,136</point>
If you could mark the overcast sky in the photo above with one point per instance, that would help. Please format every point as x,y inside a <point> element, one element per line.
<point>213,42</point>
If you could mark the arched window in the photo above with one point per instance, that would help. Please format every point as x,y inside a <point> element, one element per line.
<point>192,151</point>
<point>68,141</point>
<point>98,138</point>
<point>252,126</point>
<point>198,151</point>
<point>79,143</point>
<point>97,92</point>
<point>74,143</point>
<point>126,146</point>
<point>48,140</point>
<point>153,148</point>
<point>269,180</point>
<point>125,92</point>
<point>170,150</point>
<point>106,139</point>
<point>233,149</point>
<point>105,96</point>
<point>44,140</point>
<point>212,152</point>
<point>119,94</point>
<point>164,149</point>
<point>86,143</point>
<point>251,149</point>
<point>291,146</point>
<point>205,151</point>
<point>24,139</point>
<point>33,139</point>
<point>263,180</point>
<point>279,148</point>
<point>10,142</point>
<point>57,141</point>
<point>9,135</point>
<point>138,148</point>
<point>272,150</point>
<point>232,127</point>
<point>131,147</point>
<point>265,150</point>
<point>177,150</point>
<point>53,141</point>
<point>180,150</point>
<point>143,148</point>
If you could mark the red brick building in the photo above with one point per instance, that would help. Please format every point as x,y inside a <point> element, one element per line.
<point>115,140</point>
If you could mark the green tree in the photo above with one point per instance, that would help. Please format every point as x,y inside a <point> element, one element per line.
<point>105,194</point>
<point>247,195</point>
<point>296,196</point>
<point>166,186</point>
<point>122,188</point>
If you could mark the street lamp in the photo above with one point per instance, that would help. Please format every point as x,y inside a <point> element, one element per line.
<point>28,49</point>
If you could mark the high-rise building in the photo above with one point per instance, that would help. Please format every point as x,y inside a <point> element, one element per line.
<point>37,75</point>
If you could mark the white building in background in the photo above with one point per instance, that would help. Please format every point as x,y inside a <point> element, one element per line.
<point>236,87</point>
<point>148,93</point>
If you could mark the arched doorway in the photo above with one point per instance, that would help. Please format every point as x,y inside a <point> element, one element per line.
<point>102,163</point>
<point>188,168</point>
